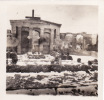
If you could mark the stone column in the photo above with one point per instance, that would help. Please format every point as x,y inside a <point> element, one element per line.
<point>58,32</point>
<point>19,38</point>
<point>73,42</point>
<point>13,29</point>
<point>52,39</point>
<point>41,35</point>
<point>30,39</point>
<point>84,44</point>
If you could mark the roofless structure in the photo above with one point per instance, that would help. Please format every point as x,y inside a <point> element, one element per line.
<point>33,33</point>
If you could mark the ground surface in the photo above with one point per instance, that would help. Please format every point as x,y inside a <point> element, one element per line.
<point>45,83</point>
<point>41,65</point>
<point>71,78</point>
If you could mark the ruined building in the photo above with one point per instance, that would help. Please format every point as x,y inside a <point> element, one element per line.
<point>33,33</point>
<point>82,40</point>
<point>36,35</point>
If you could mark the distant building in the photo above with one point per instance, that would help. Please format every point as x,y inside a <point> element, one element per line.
<point>34,34</point>
<point>81,40</point>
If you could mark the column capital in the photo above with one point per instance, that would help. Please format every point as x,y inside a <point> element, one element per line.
<point>30,28</point>
<point>52,29</point>
<point>19,26</point>
<point>42,28</point>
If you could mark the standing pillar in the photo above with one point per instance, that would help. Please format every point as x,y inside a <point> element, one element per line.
<point>75,42</point>
<point>41,35</point>
<point>84,43</point>
<point>52,39</point>
<point>58,32</point>
<point>13,29</point>
<point>30,39</point>
<point>19,38</point>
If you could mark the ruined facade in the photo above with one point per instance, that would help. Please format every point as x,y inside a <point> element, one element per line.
<point>34,34</point>
<point>85,41</point>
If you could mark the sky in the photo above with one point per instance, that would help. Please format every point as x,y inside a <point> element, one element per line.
<point>74,18</point>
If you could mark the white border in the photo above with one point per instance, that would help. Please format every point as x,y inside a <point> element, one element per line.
<point>3,14</point>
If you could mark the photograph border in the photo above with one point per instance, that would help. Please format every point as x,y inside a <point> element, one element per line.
<point>3,8</point>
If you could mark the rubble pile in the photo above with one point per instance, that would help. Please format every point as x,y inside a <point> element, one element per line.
<point>69,80</point>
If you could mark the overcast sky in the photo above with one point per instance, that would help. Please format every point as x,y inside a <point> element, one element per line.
<point>74,18</point>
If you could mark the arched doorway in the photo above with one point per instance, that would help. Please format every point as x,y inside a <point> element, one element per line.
<point>35,40</point>
<point>46,44</point>
<point>79,42</point>
<point>24,42</point>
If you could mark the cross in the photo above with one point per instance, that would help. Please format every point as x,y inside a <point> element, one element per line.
<point>36,18</point>
<point>32,15</point>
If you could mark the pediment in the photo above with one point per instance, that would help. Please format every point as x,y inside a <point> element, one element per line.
<point>33,21</point>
